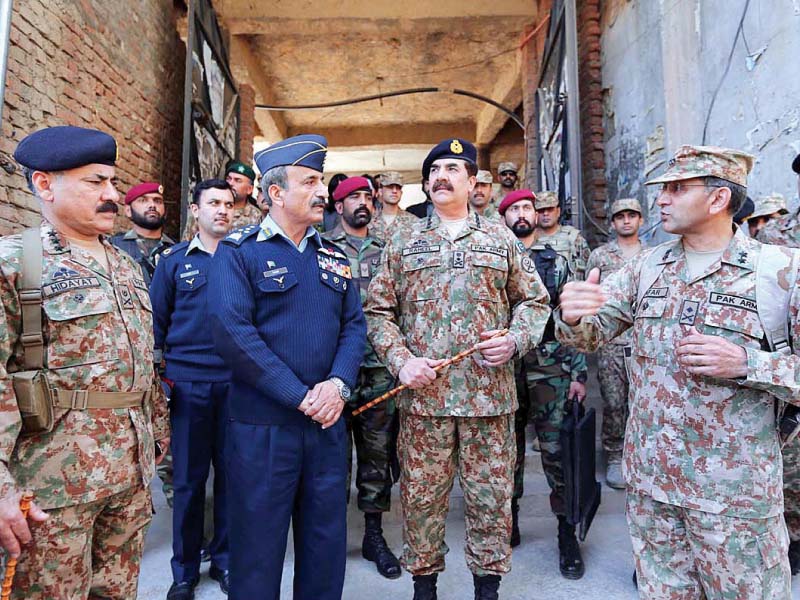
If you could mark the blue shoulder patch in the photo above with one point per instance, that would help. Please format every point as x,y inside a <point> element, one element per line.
<point>237,236</point>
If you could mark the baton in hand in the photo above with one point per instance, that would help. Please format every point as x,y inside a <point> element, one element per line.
<point>11,567</point>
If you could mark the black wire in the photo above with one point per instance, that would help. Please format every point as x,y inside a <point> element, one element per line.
<point>739,31</point>
<point>421,90</point>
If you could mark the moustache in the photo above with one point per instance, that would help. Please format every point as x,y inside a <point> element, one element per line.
<point>521,221</point>
<point>361,211</point>
<point>442,185</point>
<point>317,202</point>
<point>108,206</point>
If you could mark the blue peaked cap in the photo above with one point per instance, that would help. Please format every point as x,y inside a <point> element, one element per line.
<point>66,147</point>
<point>307,150</point>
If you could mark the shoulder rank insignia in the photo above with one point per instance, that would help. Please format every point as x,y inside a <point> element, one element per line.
<point>167,251</point>
<point>241,234</point>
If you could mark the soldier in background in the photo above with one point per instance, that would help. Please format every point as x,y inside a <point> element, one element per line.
<point>767,208</point>
<point>452,280</point>
<point>507,174</point>
<point>547,377</point>
<point>241,178</point>
<point>390,216</point>
<point>785,231</point>
<point>146,240</point>
<point>702,451</point>
<point>374,430</point>
<point>482,197</point>
<point>564,239</point>
<point>89,465</point>
<point>626,219</point>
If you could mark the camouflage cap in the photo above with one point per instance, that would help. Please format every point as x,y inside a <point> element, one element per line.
<point>769,205</point>
<point>484,177</point>
<point>545,200</point>
<point>507,166</point>
<point>708,161</point>
<point>626,204</point>
<point>391,178</point>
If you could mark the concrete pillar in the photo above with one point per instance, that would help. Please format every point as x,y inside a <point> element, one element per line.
<point>247,122</point>
<point>530,72</point>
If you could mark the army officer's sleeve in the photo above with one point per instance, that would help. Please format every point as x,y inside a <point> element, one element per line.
<point>10,421</point>
<point>614,317</point>
<point>236,337</point>
<point>382,310</point>
<point>527,297</point>
<point>775,372</point>
<point>352,339</point>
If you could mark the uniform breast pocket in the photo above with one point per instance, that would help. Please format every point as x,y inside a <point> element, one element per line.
<point>278,285</point>
<point>338,283</point>
<point>648,328</point>
<point>189,285</point>
<point>78,328</point>
<point>420,273</point>
<point>488,277</point>
<point>739,325</point>
<point>143,294</point>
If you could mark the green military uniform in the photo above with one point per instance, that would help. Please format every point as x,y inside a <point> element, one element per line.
<point>374,430</point>
<point>432,297</point>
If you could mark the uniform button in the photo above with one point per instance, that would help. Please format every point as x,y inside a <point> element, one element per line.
<point>344,285</point>
<point>335,280</point>
<point>324,275</point>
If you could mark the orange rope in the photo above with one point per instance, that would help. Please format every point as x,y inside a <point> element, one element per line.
<point>458,357</point>
<point>11,567</point>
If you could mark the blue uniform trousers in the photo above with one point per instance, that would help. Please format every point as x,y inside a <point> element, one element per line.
<point>198,415</point>
<point>278,474</point>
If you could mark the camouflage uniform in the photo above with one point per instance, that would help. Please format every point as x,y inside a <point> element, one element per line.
<point>380,229</point>
<point>249,215</point>
<point>611,362</point>
<point>570,244</point>
<point>373,430</point>
<point>432,297</point>
<point>702,456</point>
<point>92,471</point>
<point>543,377</point>
<point>786,232</point>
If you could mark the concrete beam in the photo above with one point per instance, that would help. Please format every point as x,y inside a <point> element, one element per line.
<point>508,92</point>
<point>247,69</point>
<point>377,9</point>
<point>389,135</point>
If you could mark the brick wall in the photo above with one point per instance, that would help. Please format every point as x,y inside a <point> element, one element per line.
<point>107,64</point>
<point>591,111</point>
<point>247,122</point>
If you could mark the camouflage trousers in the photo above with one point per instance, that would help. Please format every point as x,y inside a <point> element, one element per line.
<point>88,551</point>
<point>374,435</point>
<point>791,488</point>
<point>432,450</point>
<point>543,401</point>
<point>614,390</point>
<point>684,554</point>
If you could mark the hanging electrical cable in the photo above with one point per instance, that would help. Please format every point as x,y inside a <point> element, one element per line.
<point>421,90</point>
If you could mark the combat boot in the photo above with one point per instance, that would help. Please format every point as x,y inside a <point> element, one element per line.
<point>425,587</point>
<point>515,538</point>
<point>569,553</point>
<point>794,556</point>
<point>375,548</point>
<point>486,586</point>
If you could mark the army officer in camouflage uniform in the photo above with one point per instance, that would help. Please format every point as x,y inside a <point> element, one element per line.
<point>90,467</point>
<point>702,455</point>
<point>373,430</point>
<point>451,281</point>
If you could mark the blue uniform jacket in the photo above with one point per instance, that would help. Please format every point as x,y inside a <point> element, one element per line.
<point>284,320</point>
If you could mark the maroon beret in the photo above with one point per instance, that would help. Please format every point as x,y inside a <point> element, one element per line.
<point>350,185</point>
<point>513,197</point>
<point>149,187</point>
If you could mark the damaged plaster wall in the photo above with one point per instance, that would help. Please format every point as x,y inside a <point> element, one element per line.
<point>663,61</point>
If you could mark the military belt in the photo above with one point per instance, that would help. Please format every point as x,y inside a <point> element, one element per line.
<point>84,399</point>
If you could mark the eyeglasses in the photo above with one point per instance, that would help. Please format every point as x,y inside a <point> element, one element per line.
<point>676,188</point>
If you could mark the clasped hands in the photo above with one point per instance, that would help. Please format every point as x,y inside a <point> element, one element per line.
<point>323,404</point>
<point>697,353</point>
<point>419,371</point>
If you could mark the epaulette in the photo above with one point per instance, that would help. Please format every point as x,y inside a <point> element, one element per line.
<point>236,237</point>
<point>167,252</point>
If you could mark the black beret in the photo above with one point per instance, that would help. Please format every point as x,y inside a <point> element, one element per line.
<point>236,166</point>
<point>450,148</point>
<point>307,150</point>
<point>796,164</point>
<point>66,147</point>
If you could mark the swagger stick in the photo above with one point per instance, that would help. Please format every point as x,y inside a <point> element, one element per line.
<point>450,361</point>
<point>11,567</point>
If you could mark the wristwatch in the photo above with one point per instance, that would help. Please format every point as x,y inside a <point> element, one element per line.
<point>344,390</point>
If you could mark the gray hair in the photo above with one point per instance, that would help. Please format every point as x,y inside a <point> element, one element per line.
<point>275,176</point>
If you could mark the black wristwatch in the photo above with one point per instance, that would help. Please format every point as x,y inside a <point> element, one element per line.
<point>344,390</point>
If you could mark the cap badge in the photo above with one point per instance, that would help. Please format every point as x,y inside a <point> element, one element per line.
<point>456,147</point>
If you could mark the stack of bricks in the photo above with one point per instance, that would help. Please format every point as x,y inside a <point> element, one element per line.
<point>247,123</point>
<point>591,111</point>
<point>105,64</point>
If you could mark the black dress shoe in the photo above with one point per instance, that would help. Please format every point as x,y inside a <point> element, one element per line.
<point>181,591</point>
<point>223,577</point>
